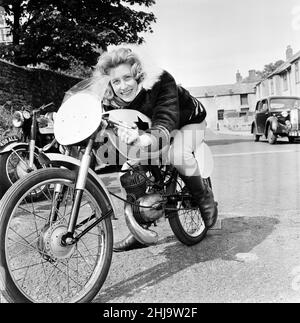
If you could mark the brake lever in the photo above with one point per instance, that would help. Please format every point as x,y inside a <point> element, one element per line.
<point>43,107</point>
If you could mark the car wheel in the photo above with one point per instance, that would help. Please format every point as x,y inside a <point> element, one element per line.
<point>291,140</point>
<point>271,136</point>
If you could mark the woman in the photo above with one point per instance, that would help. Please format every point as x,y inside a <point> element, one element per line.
<point>169,107</point>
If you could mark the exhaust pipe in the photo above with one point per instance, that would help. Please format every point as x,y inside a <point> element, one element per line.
<point>145,236</point>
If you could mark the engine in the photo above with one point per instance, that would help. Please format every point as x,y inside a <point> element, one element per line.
<point>148,205</point>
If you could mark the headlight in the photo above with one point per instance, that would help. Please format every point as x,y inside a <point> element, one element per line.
<point>18,119</point>
<point>50,116</point>
<point>26,114</point>
<point>288,124</point>
<point>284,114</point>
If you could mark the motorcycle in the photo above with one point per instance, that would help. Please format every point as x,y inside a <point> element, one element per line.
<point>20,154</point>
<point>59,249</point>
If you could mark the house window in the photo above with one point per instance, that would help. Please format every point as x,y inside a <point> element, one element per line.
<point>243,112</point>
<point>2,16</point>
<point>2,35</point>
<point>244,99</point>
<point>221,114</point>
<point>285,82</point>
<point>244,109</point>
<point>297,76</point>
<point>5,37</point>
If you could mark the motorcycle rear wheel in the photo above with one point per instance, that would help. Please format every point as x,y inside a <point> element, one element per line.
<point>187,223</point>
<point>36,266</point>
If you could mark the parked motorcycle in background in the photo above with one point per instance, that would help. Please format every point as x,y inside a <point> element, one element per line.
<point>24,152</point>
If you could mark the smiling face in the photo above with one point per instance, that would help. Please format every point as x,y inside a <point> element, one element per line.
<point>123,83</point>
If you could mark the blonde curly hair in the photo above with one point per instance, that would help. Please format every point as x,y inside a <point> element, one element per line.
<point>114,58</point>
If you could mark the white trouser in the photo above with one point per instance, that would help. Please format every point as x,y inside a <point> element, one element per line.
<point>186,141</point>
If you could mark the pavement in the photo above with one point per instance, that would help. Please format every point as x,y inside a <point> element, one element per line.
<point>229,132</point>
<point>251,257</point>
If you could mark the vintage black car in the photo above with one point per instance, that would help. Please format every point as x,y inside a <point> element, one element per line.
<point>277,116</point>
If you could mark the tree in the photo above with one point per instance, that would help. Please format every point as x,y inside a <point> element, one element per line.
<point>59,33</point>
<point>270,68</point>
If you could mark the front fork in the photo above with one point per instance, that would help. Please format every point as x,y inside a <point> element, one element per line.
<point>33,134</point>
<point>31,155</point>
<point>68,238</point>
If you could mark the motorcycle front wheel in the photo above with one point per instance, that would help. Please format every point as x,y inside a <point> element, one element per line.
<point>186,221</point>
<point>36,265</point>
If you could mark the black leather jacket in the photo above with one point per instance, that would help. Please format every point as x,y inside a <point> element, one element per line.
<point>168,105</point>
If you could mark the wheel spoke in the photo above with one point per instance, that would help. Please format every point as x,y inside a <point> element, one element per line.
<point>187,223</point>
<point>41,267</point>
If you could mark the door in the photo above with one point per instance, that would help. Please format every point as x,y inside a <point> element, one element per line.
<point>261,115</point>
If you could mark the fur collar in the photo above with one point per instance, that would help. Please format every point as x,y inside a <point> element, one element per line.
<point>150,67</point>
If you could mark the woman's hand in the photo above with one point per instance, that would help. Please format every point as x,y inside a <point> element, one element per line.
<point>129,136</point>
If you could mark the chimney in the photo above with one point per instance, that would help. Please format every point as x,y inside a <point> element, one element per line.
<point>252,75</point>
<point>289,52</point>
<point>238,77</point>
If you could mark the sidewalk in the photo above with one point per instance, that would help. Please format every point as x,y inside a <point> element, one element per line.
<point>224,131</point>
<point>233,132</point>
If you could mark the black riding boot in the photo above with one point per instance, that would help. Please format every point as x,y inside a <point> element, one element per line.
<point>128,243</point>
<point>203,197</point>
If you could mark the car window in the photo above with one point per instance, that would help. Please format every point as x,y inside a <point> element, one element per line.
<point>264,106</point>
<point>280,104</point>
<point>258,106</point>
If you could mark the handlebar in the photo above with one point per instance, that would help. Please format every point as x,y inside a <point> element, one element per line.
<point>116,123</point>
<point>44,107</point>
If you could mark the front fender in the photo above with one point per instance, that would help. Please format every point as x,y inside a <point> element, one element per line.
<point>12,146</point>
<point>58,160</point>
<point>273,123</point>
<point>22,145</point>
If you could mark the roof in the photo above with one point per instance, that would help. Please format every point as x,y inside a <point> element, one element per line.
<point>269,97</point>
<point>283,67</point>
<point>221,90</point>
